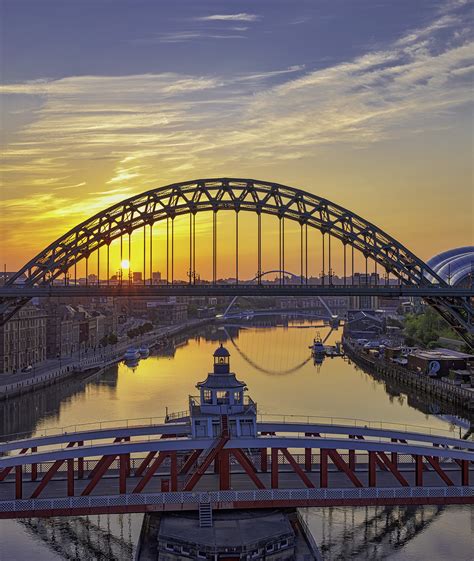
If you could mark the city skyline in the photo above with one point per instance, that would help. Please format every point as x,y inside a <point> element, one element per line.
<point>313,95</point>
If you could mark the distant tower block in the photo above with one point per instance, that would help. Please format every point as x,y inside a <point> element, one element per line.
<point>221,394</point>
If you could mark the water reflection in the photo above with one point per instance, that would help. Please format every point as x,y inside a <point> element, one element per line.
<point>85,538</point>
<point>271,354</point>
<point>405,533</point>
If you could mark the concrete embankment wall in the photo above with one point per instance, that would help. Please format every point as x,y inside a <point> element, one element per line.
<point>444,392</point>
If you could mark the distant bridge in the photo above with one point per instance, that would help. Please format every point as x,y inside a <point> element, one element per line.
<point>331,222</point>
<point>155,467</point>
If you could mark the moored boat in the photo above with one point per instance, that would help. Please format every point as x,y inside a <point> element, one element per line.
<point>317,348</point>
<point>131,354</point>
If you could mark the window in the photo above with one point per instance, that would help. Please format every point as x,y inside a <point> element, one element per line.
<point>222,396</point>
<point>207,396</point>
<point>269,548</point>
<point>238,397</point>
<point>202,555</point>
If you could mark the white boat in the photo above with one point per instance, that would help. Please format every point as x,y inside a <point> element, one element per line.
<point>131,354</point>
<point>144,351</point>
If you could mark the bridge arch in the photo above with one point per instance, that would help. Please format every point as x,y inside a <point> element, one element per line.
<point>234,194</point>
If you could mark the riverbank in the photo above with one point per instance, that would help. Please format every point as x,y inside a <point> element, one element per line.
<point>52,372</point>
<point>443,392</point>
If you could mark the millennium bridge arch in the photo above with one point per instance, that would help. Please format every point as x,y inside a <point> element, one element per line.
<point>238,195</point>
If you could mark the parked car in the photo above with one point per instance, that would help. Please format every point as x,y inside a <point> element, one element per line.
<point>27,368</point>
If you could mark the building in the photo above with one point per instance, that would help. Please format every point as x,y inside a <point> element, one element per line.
<point>337,305</point>
<point>222,394</point>
<point>234,536</point>
<point>221,411</point>
<point>23,340</point>
<point>163,311</point>
<point>367,324</point>
<point>62,331</point>
<point>438,362</point>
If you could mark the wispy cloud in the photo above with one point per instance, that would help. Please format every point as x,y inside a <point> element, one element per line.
<point>130,133</point>
<point>186,36</point>
<point>230,17</point>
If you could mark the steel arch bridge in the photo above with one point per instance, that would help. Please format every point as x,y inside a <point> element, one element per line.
<point>233,194</point>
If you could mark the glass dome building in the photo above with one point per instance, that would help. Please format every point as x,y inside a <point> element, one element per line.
<point>455,266</point>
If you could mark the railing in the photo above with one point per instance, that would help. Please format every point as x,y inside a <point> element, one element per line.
<point>177,415</point>
<point>346,421</point>
<point>223,498</point>
<point>81,427</point>
<point>261,418</point>
<point>404,462</point>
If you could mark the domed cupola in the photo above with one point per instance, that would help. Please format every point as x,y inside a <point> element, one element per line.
<point>221,394</point>
<point>221,360</point>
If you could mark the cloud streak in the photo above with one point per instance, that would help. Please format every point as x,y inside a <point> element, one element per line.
<point>230,17</point>
<point>131,133</point>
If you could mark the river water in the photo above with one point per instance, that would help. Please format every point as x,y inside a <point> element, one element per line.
<point>274,361</point>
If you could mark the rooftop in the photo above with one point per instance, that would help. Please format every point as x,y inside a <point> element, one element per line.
<point>441,354</point>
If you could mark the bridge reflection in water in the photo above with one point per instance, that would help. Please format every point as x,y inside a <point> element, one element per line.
<point>51,405</point>
<point>220,451</point>
<point>357,533</point>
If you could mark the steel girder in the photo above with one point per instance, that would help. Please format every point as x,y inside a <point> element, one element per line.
<point>237,195</point>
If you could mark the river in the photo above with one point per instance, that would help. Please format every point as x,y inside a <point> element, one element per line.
<point>274,361</point>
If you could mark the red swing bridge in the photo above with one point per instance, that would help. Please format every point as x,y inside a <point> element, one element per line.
<point>223,454</point>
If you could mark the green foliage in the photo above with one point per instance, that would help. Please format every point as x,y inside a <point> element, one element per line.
<point>424,329</point>
<point>140,330</point>
<point>110,339</point>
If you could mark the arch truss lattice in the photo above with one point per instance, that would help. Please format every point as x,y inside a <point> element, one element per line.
<point>238,195</point>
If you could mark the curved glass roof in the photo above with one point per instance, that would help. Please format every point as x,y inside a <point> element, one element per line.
<point>454,265</point>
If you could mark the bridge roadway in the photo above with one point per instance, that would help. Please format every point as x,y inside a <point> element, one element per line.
<point>287,463</point>
<point>241,289</point>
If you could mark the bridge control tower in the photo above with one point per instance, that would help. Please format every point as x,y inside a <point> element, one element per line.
<point>221,403</point>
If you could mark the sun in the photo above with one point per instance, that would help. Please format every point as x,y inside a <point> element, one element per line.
<point>125,264</point>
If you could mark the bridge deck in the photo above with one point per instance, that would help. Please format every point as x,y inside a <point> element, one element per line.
<point>291,492</point>
<point>241,289</point>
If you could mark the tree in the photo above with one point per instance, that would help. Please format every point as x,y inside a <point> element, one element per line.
<point>426,328</point>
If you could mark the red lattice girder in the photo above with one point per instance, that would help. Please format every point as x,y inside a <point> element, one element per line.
<point>434,463</point>
<point>8,470</point>
<point>393,468</point>
<point>343,466</point>
<point>249,468</point>
<point>149,474</point>
<point>49,475</point>
<point>297,469</point>
<point>105,463</point>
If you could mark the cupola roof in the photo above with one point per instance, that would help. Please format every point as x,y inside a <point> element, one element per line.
<point>221,351</point>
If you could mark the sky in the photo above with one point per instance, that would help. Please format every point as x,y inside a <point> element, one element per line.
<point>365,102</point>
